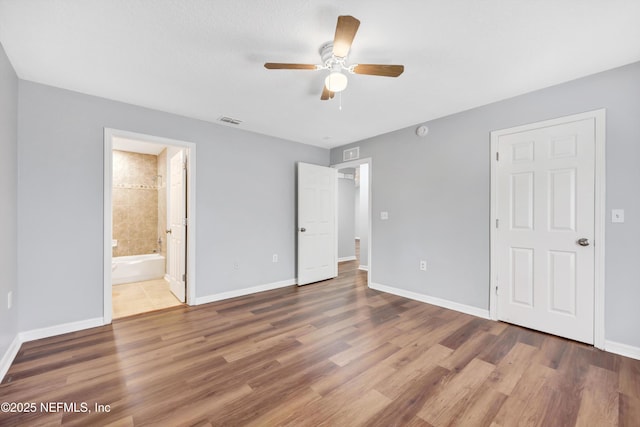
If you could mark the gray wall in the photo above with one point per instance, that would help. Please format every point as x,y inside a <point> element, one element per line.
<point>245,201</point>
<point>437,192</point>
<point>8,202</point>
<point>346,216</point>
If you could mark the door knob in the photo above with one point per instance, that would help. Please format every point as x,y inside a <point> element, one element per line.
<point>168,231</point>
<point>302,230</point>
<point>583,242</point>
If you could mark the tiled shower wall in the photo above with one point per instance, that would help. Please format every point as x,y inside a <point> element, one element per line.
<point>135,203</point>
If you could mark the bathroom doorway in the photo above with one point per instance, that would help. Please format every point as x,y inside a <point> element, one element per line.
<point>149,181</point>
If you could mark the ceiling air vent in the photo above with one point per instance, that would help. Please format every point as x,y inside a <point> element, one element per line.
<point>351,154</point>
<point>230,120</point>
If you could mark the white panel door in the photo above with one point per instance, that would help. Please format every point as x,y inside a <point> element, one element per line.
<point>176,249</point>
<point>544,245</point>
<point>317,234</point>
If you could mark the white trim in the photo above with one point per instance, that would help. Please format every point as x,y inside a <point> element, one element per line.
<point>246,291</point>
<point>9,356</point>
<point>107,227</point>
<point>599,117</point>
<point>347,258</point>
<point>64,328</point>
<point>354,163</point>
<point>190,147</point>
<point>622,349</point>
<point>451,305</point>
<point>600,216</point>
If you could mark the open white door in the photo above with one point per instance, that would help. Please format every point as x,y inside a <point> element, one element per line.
<point>176,235</point>
<point>544,246</point>
<point>317,234</point>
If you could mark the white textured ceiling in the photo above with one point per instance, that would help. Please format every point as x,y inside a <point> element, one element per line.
<point>204,58</point>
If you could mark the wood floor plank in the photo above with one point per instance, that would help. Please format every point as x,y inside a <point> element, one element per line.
<point>333,353</point>
<point>354,368</point>
<point>444,405</point>
<point>511,368</point>
<point>629,377</point>
<point>411,399</point>
<point>481,409</point>
<point>359,410</point>
<point>526,404</point>
<point>426,361</point>
<point>599,404</point>
<point>629,411</point>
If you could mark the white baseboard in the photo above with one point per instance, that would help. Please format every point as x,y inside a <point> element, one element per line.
<point>246,291</point>
<point>467,309</point>
<point>347,258</point>
<point>622,349</point>
<point>363,267</point>
<point>9,355</point>
<point>36,334</point>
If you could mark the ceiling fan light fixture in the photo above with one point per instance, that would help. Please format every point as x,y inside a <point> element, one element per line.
<point>336,82</point>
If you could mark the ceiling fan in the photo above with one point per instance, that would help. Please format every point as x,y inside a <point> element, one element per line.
<point>334,58</point>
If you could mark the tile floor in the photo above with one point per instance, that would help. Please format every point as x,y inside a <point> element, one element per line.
<point>140,297</point>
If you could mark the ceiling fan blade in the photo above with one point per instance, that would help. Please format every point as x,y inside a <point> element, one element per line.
<point>281,66</point>
<point>379,70</point>
<point>326,94</point>
<point>345,32</point>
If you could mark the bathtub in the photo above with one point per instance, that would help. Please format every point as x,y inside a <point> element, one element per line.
<point>136,268</point>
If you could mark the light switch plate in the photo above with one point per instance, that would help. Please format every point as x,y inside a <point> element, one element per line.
<point>384,215</point>
<point>617,215</point>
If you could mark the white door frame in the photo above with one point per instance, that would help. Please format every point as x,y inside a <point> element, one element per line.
<point>600,213</point>
<point>352,164</point>
<point>109,134</point>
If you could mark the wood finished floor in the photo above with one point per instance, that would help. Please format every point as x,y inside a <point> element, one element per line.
<point>334,353</point>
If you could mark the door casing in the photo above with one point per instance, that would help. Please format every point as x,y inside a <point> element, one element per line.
<point>599,117</point>
<point>109,134</point>
<point>351,164</point>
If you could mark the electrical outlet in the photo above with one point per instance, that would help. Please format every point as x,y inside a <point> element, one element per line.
<point>275,258</point>
<point>617,215</point>
<point>9,300</point>
<point>423,265</point>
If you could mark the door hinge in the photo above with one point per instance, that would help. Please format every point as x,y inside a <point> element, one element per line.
<point>497,223</point>
<point>497,291</point>
<point>185,221</point>
<point>497,156</point>
<point>184,166</point>
<point>184,277</point>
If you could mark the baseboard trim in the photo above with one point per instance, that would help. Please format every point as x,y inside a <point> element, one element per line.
<point>65,328</point>
<point>347,258</point>
<point>622,349</point>
<point>9,356</point>
<point>363,267</point>
<point>467,309</point>
<point>246,291</point>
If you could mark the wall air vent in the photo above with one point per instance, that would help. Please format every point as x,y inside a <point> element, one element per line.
<point>230,120</point>
<point>351,154</point>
